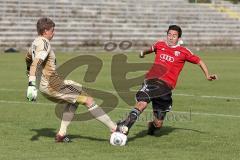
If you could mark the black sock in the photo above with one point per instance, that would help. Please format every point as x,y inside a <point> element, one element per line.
<point>132,117</point>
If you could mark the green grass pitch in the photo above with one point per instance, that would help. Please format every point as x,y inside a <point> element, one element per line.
<point>203,125</point>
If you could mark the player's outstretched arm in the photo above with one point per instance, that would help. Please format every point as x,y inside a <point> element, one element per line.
<point>204,68</point>
<point>32,90</point>
<point>143,53</point>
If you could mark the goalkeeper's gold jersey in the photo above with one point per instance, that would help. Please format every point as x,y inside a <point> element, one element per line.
<point>41,48</point>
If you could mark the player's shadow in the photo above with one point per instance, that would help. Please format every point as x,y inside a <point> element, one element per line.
<point>165,130</point>
<point>50,132</point>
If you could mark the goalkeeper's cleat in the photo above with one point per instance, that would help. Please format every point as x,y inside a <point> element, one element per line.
<point>63,139</point>
<point>122,128</point>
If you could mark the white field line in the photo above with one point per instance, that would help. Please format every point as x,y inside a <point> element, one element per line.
<point>175,94</point>
<point>208,114</point>
<point>124,109</point>
<point>211,97</point>
<point>27,103</point>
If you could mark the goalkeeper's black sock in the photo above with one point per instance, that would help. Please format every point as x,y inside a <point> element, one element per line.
<point>132,117</point>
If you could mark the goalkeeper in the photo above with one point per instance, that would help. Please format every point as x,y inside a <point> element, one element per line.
<point>41,65</point>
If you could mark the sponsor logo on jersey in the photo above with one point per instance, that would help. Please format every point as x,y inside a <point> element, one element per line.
<point>166,57</point>
<point>176,53</point>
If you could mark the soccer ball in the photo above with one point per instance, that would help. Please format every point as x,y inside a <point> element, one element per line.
<point>118,139</point>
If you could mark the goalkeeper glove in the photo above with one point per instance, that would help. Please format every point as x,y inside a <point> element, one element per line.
<point>32,91</point>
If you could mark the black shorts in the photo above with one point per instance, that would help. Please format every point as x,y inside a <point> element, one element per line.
<point>157,92</point>
<point>161,106</point>
<point>153,89</point>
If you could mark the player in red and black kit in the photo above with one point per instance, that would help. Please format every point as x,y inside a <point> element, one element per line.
<point>161,79</point>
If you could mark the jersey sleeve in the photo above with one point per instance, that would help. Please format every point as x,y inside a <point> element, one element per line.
<point>41,49</point>
<point>190,57</point>
<point>154,46</point>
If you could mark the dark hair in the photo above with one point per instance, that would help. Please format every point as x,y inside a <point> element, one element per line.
<point>44,24</point>
<point>175,28</point>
